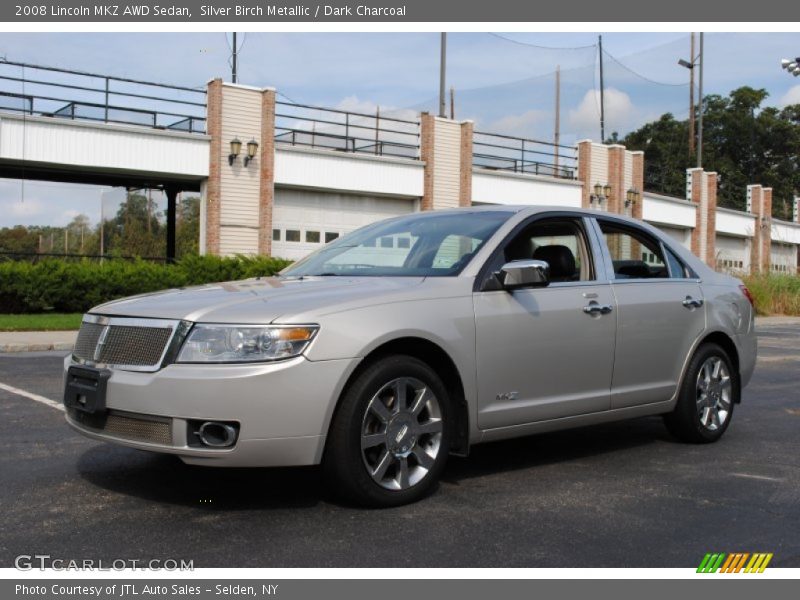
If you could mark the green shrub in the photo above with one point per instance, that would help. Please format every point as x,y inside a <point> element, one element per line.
<point>68,287</point>
<point>775,294</point>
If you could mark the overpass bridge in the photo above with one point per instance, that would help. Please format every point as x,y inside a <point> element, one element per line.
<point>282,178</point>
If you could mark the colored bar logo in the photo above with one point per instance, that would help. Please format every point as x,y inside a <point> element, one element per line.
<point>738,562</point>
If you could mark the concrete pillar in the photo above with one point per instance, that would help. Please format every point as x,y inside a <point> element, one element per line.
<point>446,149</point>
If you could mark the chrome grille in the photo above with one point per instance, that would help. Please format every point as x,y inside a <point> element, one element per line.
<point>127,426</point>
<point>142,430</point>
<point>126,345</point>
<point>139,344</point>
<point>87,340</point>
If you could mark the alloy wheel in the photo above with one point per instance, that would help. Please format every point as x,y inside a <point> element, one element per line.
<point>713,393</point>
<point>401,433</point>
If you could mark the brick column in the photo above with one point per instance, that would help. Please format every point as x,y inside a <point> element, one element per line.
<point>585,175</point>
<point>616,179</point>
<point>766,230</point>
<point>266,195</point>
<point>213,188</point>
<point>711,218</point>
<point>755,195</point>
<point>427,127</point>
<point>694,193</point>
<point>637,159</point>
<point>465,184</point>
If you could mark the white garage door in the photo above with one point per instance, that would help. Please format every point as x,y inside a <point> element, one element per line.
<point>304,220</point>
<point>733,254</point>
<point>783,258</point>
<point>682,236</point>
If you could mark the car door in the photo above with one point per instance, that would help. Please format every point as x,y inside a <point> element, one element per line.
<point>660,313</point>
<point>545,353</point>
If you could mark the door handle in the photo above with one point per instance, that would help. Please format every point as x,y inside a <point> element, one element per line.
<point>593,308</point>
<point>690,302</point>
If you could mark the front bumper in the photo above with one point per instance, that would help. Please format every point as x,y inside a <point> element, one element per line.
<point>283,409</point>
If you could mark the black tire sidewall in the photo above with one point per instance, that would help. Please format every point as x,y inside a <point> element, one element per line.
<point>686,419</point>
<point>343,463</point>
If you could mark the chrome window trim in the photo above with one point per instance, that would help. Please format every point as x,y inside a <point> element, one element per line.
<point>105,320</point>
<point>609,264</point>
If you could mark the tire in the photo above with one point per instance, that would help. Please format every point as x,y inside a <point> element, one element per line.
<point>707,396</point>
<point>381,452</point>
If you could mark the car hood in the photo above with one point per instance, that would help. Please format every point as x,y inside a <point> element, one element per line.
<point>261,300</point>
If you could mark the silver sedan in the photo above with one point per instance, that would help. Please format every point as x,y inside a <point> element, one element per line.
<point>415,338</point>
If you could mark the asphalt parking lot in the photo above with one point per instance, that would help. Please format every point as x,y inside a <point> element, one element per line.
<point>619,495</point>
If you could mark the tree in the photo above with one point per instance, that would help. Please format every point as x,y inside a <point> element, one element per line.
<point>743,142</point>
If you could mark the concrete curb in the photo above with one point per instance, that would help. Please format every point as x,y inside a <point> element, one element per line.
<point>36,341</point>
<point>8,348</point>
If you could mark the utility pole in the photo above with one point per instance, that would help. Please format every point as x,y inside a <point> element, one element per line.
<point>691,97</point>
<point>233,62</point>
<point>442,69</point>
<point>557,131</point>
<point>66,240</point>
<point>701,59</point>
<point>452,102</point>
<point>602,94</point>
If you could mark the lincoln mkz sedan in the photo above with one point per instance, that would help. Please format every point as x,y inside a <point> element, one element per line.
<point>417,337</point>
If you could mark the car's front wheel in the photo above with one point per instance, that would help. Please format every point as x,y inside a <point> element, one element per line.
<point>389,439</point>
<point>707,396</point>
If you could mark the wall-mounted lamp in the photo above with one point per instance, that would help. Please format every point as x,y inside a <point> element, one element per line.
<point>631,197</point>
<point>601,193</point>
<point>236,150</point>
<point>766,222</point>
<point>252,148</point>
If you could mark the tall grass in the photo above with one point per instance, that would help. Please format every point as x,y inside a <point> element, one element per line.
<point>775,294</point>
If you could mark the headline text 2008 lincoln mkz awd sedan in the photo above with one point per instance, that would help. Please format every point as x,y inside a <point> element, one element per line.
<point>416,337</point>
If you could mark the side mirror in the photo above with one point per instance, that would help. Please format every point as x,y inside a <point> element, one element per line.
<point>524,274</point>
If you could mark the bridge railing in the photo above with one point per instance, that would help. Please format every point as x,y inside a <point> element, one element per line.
<point>345,131</point>
<point>523,155</point>
<point>64,93</point>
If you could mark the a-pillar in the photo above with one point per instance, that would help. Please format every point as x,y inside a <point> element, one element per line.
<point>446,150</point>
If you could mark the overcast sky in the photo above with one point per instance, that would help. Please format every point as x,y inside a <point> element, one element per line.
<point>502,81</point>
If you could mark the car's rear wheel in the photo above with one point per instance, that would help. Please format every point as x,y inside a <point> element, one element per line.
<point>708,393</point>
<point>389,439</point>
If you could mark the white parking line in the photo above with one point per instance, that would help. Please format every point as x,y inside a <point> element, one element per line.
<point>760,477</point>
<point>32,396</point>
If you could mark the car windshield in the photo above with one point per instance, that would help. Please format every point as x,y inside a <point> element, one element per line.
<point>418,245</point>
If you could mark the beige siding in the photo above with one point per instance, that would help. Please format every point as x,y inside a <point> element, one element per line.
<point>447,164</point>
<point>599,162</point>
<point>239,185</point>
<point>627,172</point>
<point>238,240</point>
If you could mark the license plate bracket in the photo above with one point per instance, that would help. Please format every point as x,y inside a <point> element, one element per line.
<point>85,389</point>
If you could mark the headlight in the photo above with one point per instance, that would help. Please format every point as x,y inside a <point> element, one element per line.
<point>244,343</point>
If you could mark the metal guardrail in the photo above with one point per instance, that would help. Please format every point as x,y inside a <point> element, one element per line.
<point>64,93</point>
<point>522,155</point>
<point>345,131</point>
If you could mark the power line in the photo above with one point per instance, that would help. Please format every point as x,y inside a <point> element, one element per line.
<point>497,35</point>
<point>627,68</point>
